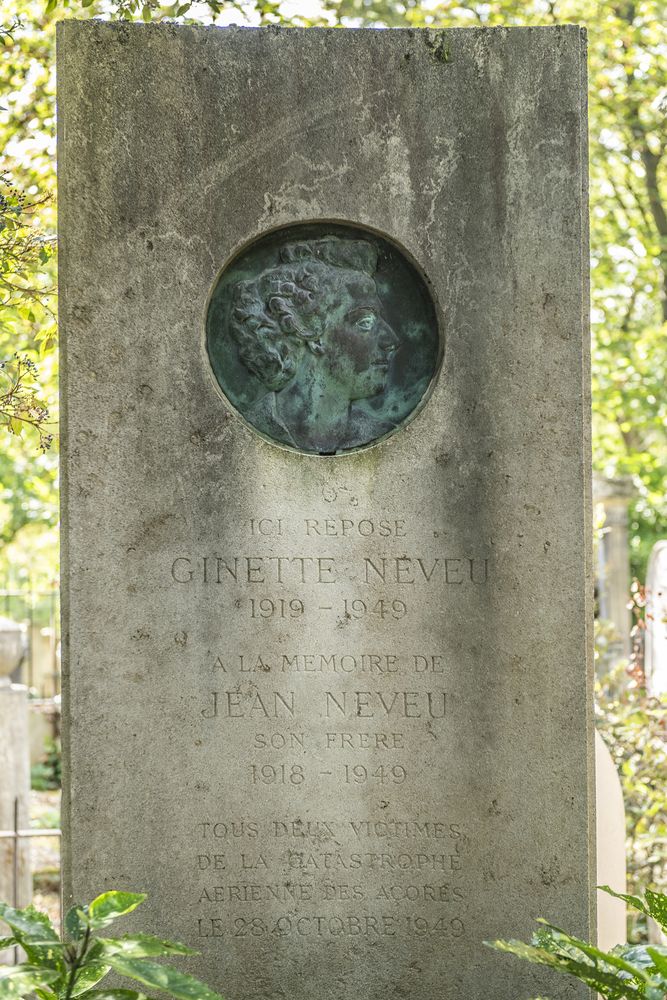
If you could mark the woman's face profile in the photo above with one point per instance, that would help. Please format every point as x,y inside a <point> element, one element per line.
<point>358,343</point>
<point>323,337</point>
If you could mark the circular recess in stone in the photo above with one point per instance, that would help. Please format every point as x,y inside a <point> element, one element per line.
<point>324,337</point>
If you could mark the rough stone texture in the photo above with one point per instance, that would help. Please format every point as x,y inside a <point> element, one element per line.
<point>178,146</point>
<point>15,784</point>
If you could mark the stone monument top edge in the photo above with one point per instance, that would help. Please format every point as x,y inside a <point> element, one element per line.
<point>95,24</point>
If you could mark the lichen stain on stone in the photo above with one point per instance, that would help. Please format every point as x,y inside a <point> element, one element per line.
<point>438,45</point>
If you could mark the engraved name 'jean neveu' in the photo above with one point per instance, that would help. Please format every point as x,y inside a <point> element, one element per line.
<point>304,346</point>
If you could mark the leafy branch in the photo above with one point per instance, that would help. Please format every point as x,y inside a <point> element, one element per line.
<point>24,250</point>
<point>627,972</point>
<point>20,405</point>
<point>70,968</point>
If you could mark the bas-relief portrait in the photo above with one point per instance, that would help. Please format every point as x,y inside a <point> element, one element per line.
<point>324,338</point>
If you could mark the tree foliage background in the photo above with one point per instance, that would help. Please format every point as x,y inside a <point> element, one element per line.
<point>628,194</point>
<point>628,135</point>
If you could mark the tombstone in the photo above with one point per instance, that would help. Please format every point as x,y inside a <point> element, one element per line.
<point>655,656</point>
<point>610,836</point>
<point>13,647</point>
<point>43,727</point>
<point>327,595</point>
<point>612,498</point>
<point>15,874</point>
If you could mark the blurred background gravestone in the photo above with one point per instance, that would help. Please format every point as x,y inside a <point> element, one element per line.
<point>655,655</point>
<point>611,864</point>
<point>15,876</point>
<point>612,498</point>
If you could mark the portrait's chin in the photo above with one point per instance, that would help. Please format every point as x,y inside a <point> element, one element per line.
<point>373,385</point>
<point>378,376</point>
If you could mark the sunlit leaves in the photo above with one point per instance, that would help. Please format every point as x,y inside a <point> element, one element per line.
<point>29,923</point>
<point>28,496</point>
<point>91,974</point>
<point>627,109</point>
<point>18,981</point>
<point>35,933</point>
<point>20,405</point>
<point>143,946</point>
<point>113,995</point>
<point>162,977</point>
<point>72,968</point>
<point>625,973</point>
<point>75,925</point>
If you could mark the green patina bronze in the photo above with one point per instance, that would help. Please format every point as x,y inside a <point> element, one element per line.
<point>323,337</point>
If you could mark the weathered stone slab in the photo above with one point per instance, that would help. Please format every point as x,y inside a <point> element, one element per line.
<point>330,711</point>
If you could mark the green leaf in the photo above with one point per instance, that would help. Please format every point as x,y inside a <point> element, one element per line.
<point>162,977</point>
<point>45,994</point>
<point>7,942</point>
<point>113,995</point>
<point>111,905</point>
<point>27,942</point>
<point>656,904</point>
<point>89,974</point>
<point>75,926</point>
<point>36,935</point>
<point>143,946</point>
<point>17,980</point>
<point>634,901</point>
<point>659,960</point>
<point>146,13</point>
<point>607,983</point>
<point>638,954</point>
<point>611,958</point>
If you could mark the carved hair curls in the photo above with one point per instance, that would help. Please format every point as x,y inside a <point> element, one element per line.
<point>279,310</point>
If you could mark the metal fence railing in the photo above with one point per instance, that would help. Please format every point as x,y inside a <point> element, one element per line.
<point>16,835</point>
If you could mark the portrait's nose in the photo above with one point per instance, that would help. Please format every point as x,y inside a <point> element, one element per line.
<point>388,339</point>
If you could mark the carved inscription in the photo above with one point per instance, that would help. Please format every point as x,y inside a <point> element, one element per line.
<point>236,704</point>
<point>348,716</point>
<point>254,570</point>
<point>395,862</point>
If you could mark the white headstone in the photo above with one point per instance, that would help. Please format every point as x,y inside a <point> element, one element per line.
<point>655,663</point>
<point>611,871</point>
<point>15,885</point>
<point>612,498</point>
